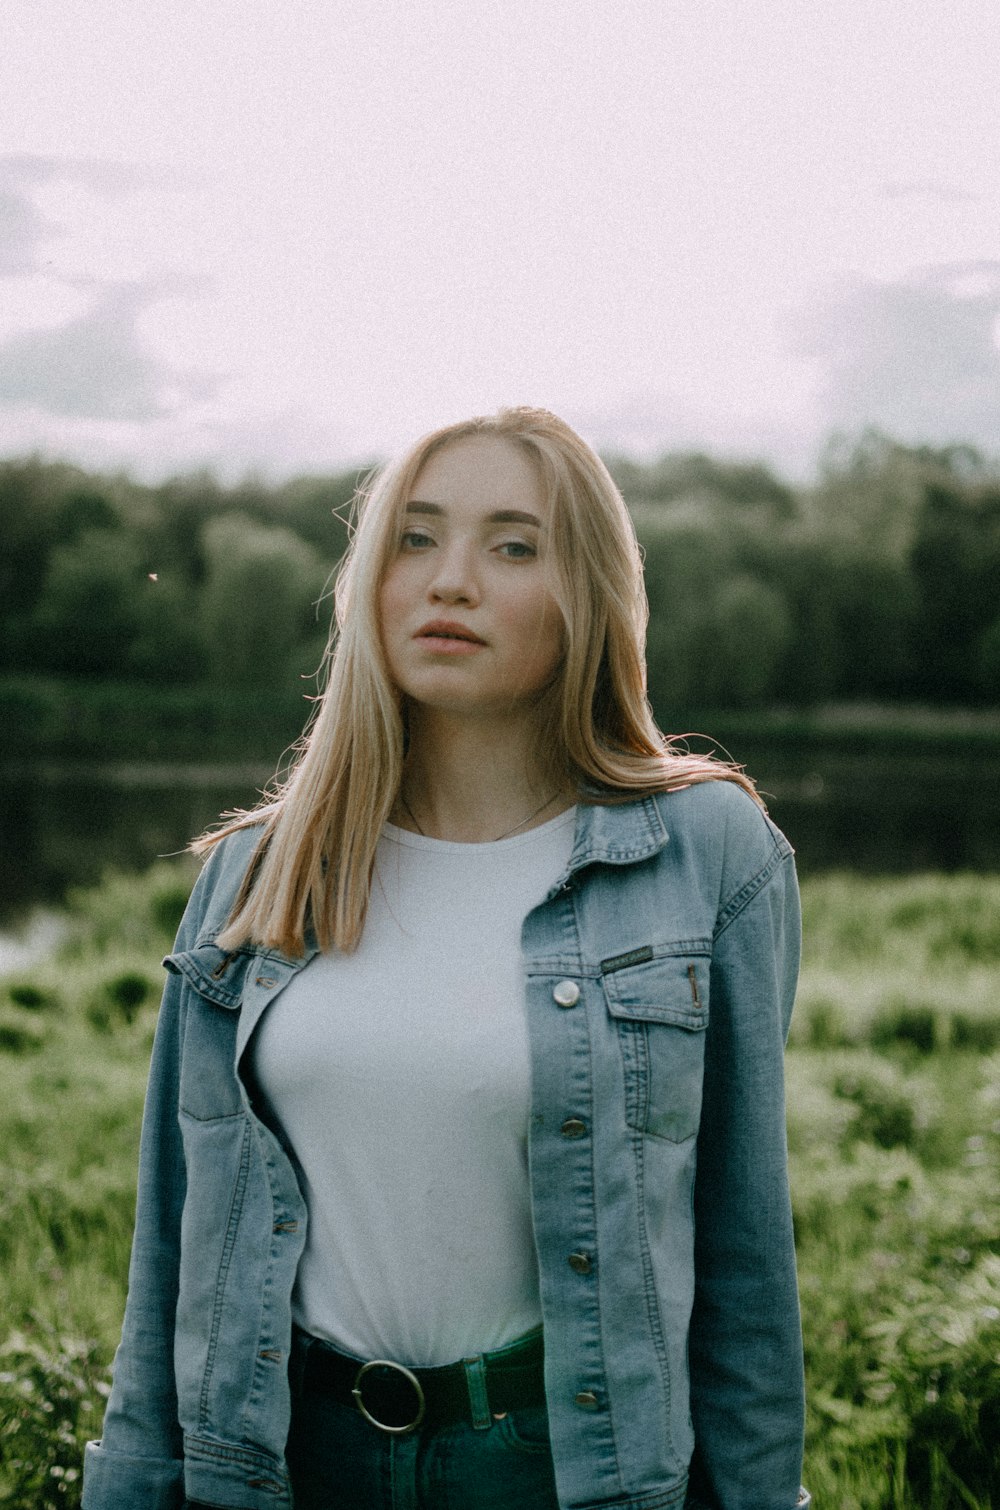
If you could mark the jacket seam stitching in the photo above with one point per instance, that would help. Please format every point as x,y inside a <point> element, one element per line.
<point>229,1452</point>
<point>235,1212</point>
<point>652,1309</point>
<point>592,1182</point>
<point>746,893</point>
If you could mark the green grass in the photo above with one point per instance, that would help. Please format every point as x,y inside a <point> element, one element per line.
<point>894,1133</point>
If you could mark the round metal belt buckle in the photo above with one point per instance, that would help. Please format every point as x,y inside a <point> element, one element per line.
<point>411,1379</point>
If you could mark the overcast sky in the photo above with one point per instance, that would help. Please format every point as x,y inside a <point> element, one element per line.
<point>294,236</point>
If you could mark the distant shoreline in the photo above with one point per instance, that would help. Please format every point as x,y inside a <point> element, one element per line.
<point>136,726</point>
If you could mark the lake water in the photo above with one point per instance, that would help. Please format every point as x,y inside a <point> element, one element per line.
<point>62,826</point>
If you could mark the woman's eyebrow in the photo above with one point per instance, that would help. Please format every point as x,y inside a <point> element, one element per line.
<point>499,516</point>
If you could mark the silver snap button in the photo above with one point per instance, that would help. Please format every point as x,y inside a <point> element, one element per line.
<point>580,1263</point>
<point>586,1400</point>
<point>573,1128</point>
<point>566,993</point>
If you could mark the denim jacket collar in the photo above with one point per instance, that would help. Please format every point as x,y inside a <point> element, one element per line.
<point>617,834</point>
<point>613,834</point>
<point>248,978</point>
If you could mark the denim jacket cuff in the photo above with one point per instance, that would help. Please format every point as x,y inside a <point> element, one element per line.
<point>118,1481</point>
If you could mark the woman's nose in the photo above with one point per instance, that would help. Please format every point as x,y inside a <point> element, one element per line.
<point>455,578</point>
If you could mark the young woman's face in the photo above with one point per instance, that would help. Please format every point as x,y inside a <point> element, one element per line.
<point>469,621</point>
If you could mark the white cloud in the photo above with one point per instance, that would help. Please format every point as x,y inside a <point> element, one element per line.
<point>376,217</point>
<point>944,193</point>
<point>918,358</point>
<point>94,366</point>
<point>38,302</point>
<point>20,228</point>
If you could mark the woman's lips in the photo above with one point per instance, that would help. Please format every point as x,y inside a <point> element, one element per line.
<point>443,644</point>
<point>447,638</point>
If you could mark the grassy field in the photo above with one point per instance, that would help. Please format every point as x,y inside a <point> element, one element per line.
<point>894,1128</point>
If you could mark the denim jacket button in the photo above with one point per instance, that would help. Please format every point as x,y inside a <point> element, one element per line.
<point>586,1400</point>
<point>566,993</point>
<point>573,1128</point>
<point>580,1263</point>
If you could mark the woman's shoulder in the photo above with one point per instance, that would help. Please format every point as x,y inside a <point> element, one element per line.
<point>237,848</point>
<point>220,879</point>
<point>721,815</point>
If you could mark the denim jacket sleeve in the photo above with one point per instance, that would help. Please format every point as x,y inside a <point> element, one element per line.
<point>747,1393</point>
<point>140,1457</point>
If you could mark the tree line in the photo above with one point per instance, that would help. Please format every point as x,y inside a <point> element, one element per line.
<point>880,580</point>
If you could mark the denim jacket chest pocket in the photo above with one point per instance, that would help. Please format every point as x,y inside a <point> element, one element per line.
<point>208,1089</point>
<point>660,1006</point>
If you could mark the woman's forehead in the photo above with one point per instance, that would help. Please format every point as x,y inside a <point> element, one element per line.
<point>485,472</point>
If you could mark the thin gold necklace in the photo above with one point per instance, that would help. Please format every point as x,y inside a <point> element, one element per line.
<point>413,817</point>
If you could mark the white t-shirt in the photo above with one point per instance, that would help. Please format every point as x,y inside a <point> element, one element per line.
<point>401,1077</point>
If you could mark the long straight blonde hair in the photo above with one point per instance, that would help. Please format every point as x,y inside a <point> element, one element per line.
<point>320,826</point>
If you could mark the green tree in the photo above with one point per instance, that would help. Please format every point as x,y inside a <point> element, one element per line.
<point>685,562</point>
<point>169,645</point>
<point>876,604</point>
<point>750,630</point>
<point>317,509</point>
<point>871,489</point>
<point>989,663</point>
<point>804,570</point>
<point>85,508</point>
<point>257,601</point>
<point>90,610</point>
<point>956,567</point>
<point>29,506</point>
<point>738,488</point>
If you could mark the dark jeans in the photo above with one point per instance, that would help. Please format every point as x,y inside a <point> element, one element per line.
<point>339,1461</point>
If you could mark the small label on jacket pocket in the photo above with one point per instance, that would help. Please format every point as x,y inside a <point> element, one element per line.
<point>622,961</point>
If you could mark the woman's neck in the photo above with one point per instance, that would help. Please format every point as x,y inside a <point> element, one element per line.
<point>472,781</point>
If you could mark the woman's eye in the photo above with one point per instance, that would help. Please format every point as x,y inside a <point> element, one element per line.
<point>518,550</point>
<point>414,539</point>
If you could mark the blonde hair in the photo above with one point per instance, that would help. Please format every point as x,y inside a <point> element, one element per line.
<point>321,825</point>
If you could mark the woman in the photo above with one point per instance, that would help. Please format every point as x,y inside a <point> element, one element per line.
<point>473,1036</point>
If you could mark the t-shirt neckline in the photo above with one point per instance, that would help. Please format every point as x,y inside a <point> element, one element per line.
<point>404,836</point>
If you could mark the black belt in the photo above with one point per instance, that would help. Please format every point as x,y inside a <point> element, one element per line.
<point>398,1399</point>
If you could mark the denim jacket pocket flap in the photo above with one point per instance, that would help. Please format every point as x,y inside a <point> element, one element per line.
<point>208,1090</point>
<point>670,989</point>
<point>660,1011</point>
<point>215,974</point>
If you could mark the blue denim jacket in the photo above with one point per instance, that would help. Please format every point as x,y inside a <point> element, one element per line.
<point>656,1146</point>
